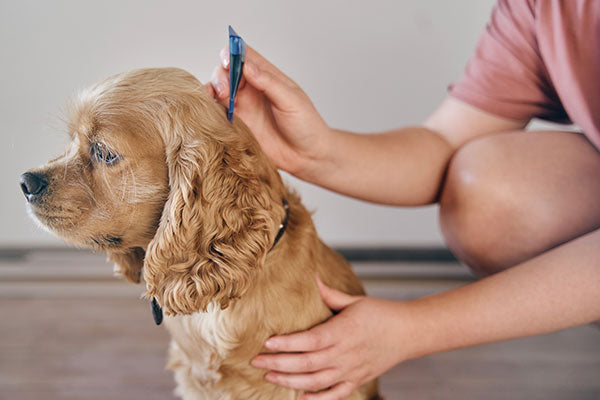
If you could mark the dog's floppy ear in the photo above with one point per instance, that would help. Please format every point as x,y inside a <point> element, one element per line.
<point>218,222</point>
<point>128,264</point>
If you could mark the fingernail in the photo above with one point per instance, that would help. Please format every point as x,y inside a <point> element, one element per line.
<point>218,86</point>
<point>271,377</point>
<point>224,57</point>
<point>271,344</point>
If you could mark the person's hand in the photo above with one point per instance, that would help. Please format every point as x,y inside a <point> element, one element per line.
<point>277,111</point>
<point>359,343</point>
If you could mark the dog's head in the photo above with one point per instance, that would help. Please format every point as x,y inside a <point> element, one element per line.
<point>158,178</point>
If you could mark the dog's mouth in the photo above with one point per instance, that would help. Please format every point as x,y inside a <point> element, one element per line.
<point>65,225</point>
<point>107,241</point>
<point>56,218</point>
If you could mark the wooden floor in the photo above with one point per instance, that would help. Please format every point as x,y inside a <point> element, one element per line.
<point>70,331</point>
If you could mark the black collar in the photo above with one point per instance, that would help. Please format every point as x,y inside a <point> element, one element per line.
<point>283,224</point>
<point>157,313</point>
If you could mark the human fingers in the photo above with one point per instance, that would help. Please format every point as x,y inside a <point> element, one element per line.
<point>295,362</point>
<point>264,76</point>
<point>334,299</point>
<point>313,381</point>
<point>337,392</point>
<point>209,88</point>
<point>220,85</point>
<point>255,58</point>
<point>283,93</point>
<point>317,338</point>
<point>224,57</point>
<point>281,90</point>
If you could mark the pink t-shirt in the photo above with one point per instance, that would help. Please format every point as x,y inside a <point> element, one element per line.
<point>538,58</point>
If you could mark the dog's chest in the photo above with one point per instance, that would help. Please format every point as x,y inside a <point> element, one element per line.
<point>201,341</point>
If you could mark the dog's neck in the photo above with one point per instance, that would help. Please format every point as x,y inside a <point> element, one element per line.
<point>157,313</point>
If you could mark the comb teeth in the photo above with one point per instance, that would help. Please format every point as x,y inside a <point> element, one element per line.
<point>230,111</point>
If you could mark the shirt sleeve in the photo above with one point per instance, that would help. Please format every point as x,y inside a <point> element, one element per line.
<point>506,76</point>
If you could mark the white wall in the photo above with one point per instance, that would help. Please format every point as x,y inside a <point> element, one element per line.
<point>367,66</point>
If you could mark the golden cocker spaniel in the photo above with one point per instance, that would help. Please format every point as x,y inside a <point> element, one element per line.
<point>156,177</point>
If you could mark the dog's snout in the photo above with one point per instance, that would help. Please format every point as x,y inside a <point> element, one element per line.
<point>33,185</point>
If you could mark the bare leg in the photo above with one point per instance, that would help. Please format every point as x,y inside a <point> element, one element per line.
<point>512,196</point>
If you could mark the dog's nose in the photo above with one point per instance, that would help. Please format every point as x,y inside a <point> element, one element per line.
<point>33,185</point>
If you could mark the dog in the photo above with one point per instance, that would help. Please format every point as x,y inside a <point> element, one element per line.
<point>156,177</point>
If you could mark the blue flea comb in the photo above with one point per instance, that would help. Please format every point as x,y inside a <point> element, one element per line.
<point>237,55</point>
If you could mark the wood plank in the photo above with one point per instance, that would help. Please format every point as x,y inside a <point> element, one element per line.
<point>89,336</point>
<point>83,348</point>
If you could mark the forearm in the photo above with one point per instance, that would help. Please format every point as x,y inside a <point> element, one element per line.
<point>556,290</point>
<point>403,167</point>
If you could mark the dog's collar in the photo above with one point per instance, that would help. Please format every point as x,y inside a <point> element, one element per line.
<point>283,224</point>
<point>157,313</point>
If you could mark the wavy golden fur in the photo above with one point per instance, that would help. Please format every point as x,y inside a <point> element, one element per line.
<point>158,178</point>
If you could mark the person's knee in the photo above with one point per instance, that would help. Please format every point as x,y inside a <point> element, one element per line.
<point>512,196</point>
<point>478,208</point>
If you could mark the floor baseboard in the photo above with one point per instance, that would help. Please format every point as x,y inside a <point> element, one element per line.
<point>351,253</point>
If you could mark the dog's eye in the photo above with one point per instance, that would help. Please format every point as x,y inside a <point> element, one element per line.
<point>100,153</point>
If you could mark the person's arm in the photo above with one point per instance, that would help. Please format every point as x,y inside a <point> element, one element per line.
<point>556,290</point>
<point>400,167</point>
<point>403,167</point>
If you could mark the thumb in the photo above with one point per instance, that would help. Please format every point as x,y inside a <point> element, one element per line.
<point>279,89</point>
<point>333,298</point>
